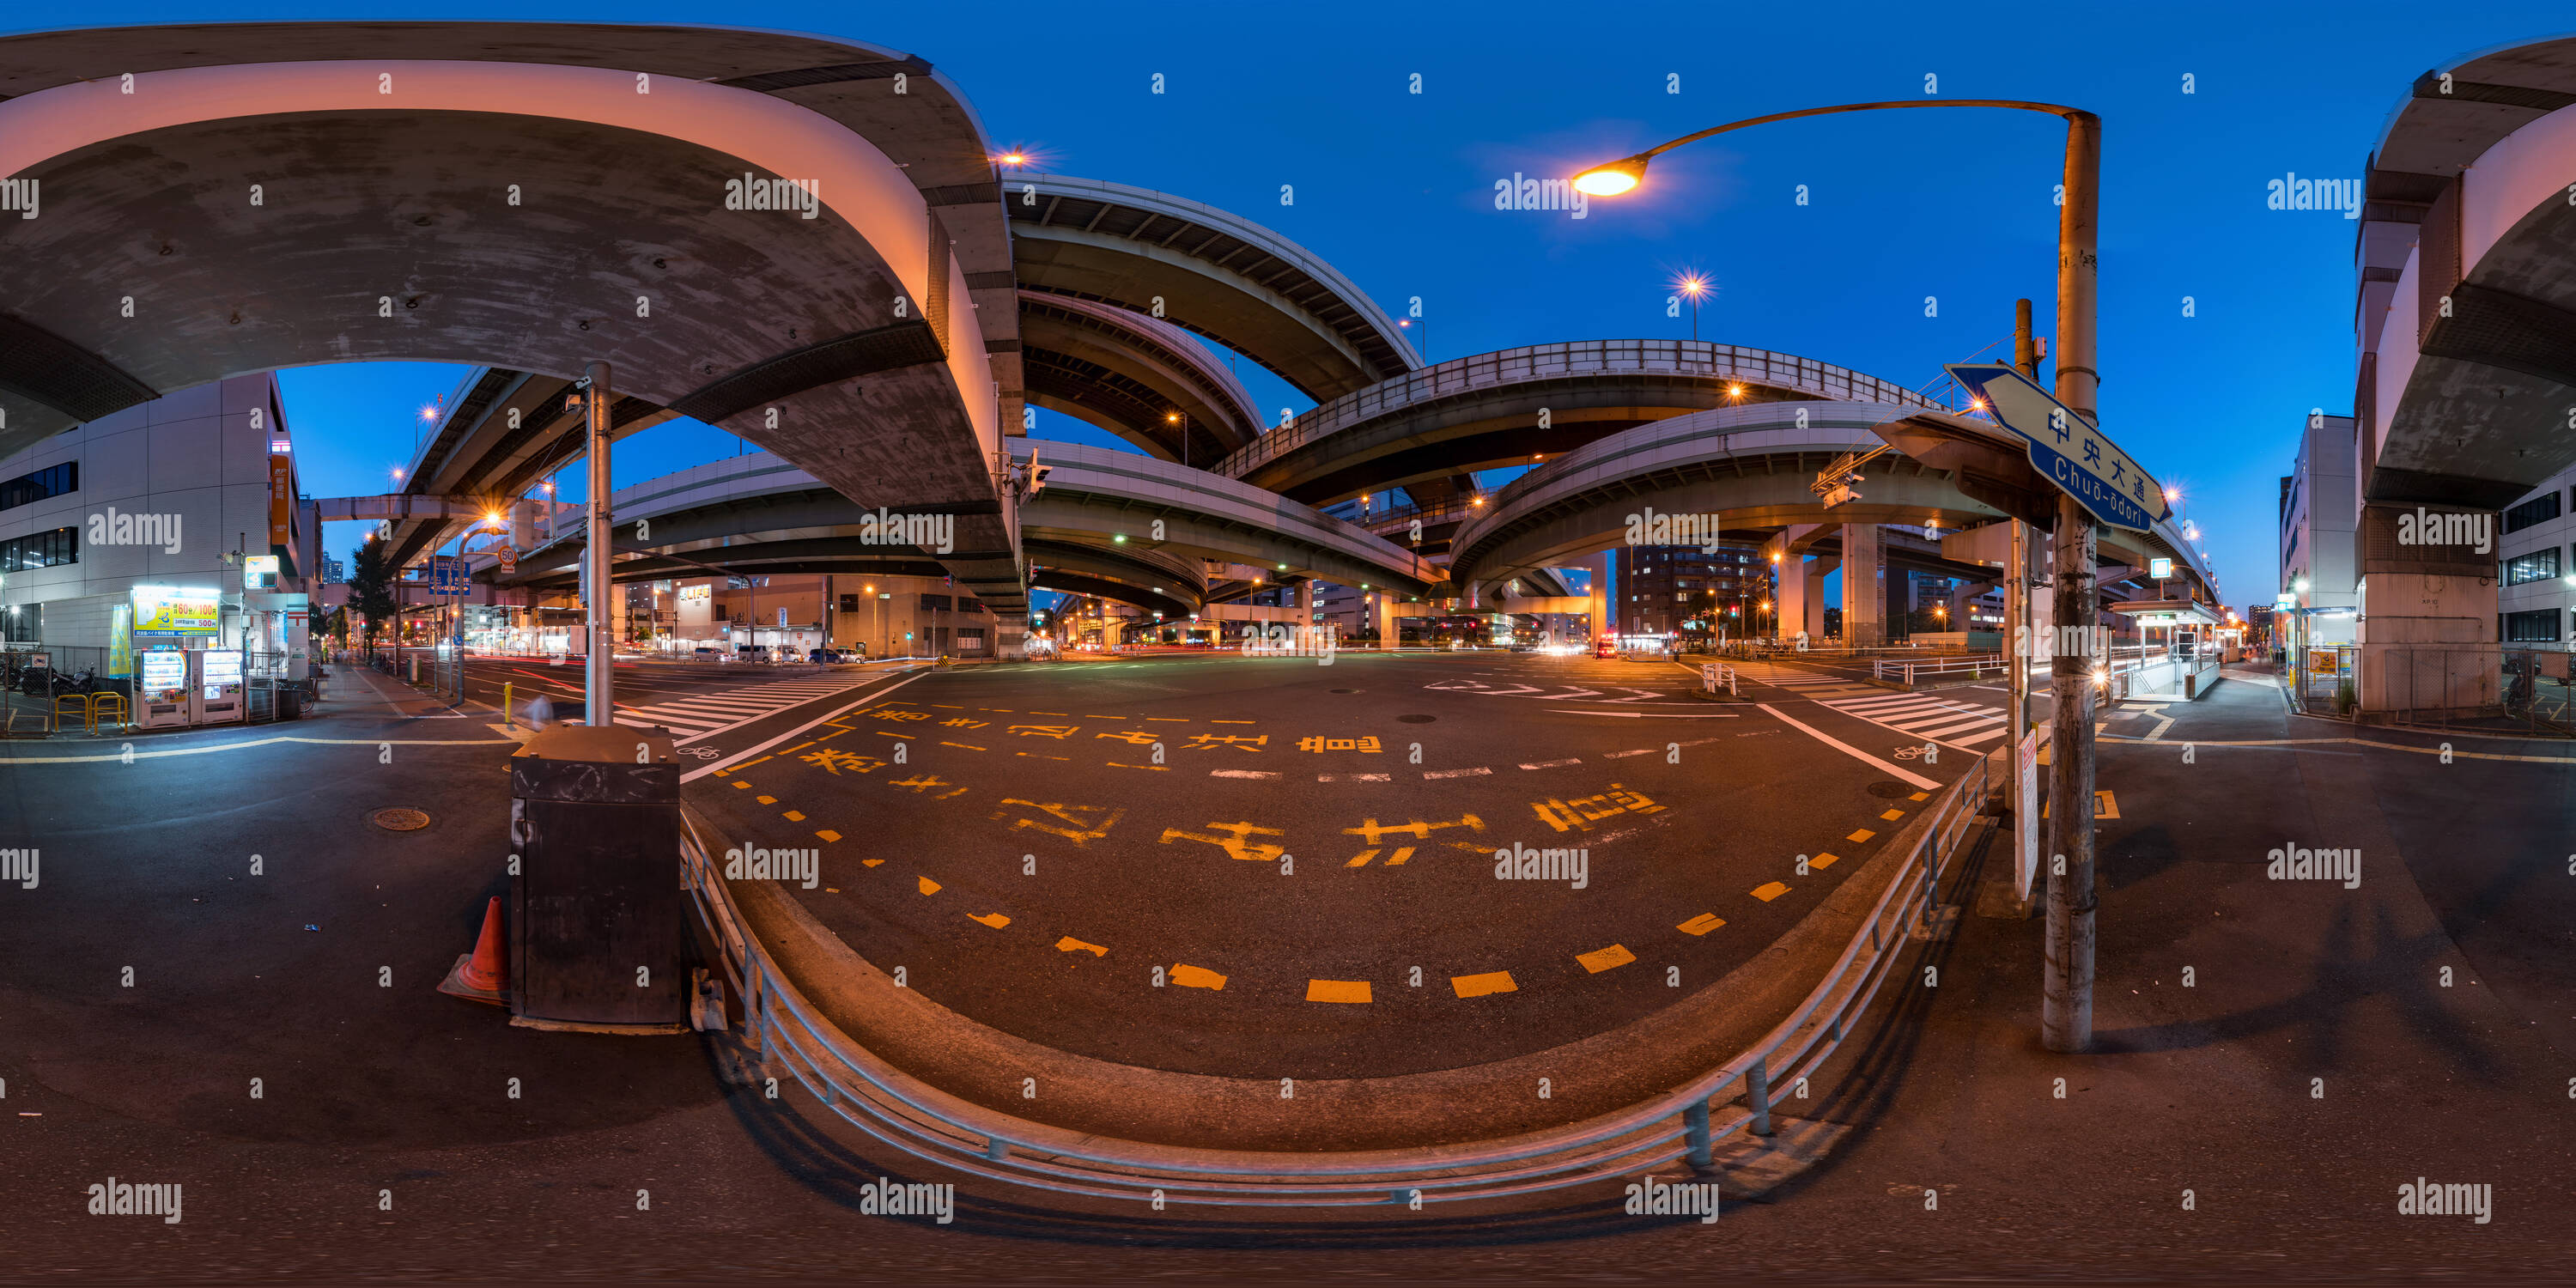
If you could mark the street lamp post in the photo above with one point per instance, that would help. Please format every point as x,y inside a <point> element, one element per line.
<point>2066,1008</point>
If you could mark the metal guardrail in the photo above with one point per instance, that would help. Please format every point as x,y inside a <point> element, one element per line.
<point>788,1034</point>
<point>1712,675</point>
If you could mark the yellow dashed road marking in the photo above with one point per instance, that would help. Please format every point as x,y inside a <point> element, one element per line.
<point>993,919</point>
<point>766,800</point>
<point>1769,890</point>
<point>928,886</point>
<point>1120,764</point>
<point>1360,860</point>
<point>742,784</point>
<point>967,745</point>
<point>1044,757</point>
<point>1484,985</point>
<point>1920,796</point>
<point>1170,719</point>
<point>1337,990</point>
<point>871,862</point>
<point>1233,722</point>
<point>1601,959</point>
<point>749,763</point>
<point>1701,924</point>
<point>793,817</point>
<point>1197,977</point>
<point>1069,944</point>
<point>1860,835</point>
<point>1824,861</point>
<point>1401,854</point>
<point>1893,815</point>
<point>828,834</point>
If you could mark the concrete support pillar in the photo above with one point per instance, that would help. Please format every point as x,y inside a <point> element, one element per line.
<point>1790,596</point>
<point>1387,635</point>
<point>2427,611</point>
<point>1864,586</point>
<point>1816,570</point>
<point>1598,565</point>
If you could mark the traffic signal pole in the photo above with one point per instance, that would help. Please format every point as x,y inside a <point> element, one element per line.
<point>2066,1007</point>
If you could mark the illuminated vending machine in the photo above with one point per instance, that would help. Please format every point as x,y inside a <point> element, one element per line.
<point>216,688</point>
<point>161,696</point>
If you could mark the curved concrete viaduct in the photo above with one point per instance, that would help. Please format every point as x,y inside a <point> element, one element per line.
<point>1112,517</point>
<point>533,197</point>
<point>1751,466</point>
<point>1503,408</point>
<point>1216,273</point>
<point>1131,374</point>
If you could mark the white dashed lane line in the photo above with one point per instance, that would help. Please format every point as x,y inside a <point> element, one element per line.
<point>1241,773</point>
<point>1456,773</point>
<point>1552,764</point>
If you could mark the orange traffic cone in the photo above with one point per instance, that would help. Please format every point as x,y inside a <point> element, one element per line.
<point>480,975</point>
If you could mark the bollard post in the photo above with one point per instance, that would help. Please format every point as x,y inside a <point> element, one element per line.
<point>507,720</point>
<point>1695,1130</point>
<point>1757,1085</point>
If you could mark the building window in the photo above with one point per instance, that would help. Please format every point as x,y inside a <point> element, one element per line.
<point>52,481</point>
<point>2539,509</point>
<point>2539,565</point>
<point>40,550</point>
<point>849,603</point>
<point>2539,626</point>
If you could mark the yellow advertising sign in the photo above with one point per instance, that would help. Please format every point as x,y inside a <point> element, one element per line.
<point>171,610</point>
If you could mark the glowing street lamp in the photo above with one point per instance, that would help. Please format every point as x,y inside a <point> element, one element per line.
<point>1692,286</point>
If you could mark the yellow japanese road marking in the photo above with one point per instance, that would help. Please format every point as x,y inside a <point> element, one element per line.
<point>742,784</point>
<point>1701,924</point>
<point>793,817</point>
<point>1120,764</point>
<point>1824,861</point>
<point>928,886</point>
<point>1069,944</point>
<point>749,763</point>
<point>1197,977</point>
<point>1401,854</point>
<point>2105,805</point>
<point>1601,959</point>
<point>1893,815</point>
<point>828,834</point>
<point>1170,719</point>
<point>1484,985</point>
<point>967,745</point>
<point>993,919</point>
<point>1234,722</point>
<point>766,800</point>
<point>1360,860</point>
<point>1041,756</point>
<point>1920,796</point>
<point>1337,990</point>
<point>1769,890</point>
<point>1860,835</point>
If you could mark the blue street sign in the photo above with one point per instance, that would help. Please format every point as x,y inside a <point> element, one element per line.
<point>447,575</point>
<point>2067,449</point>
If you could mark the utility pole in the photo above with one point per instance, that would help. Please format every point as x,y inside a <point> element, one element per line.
<point>2018,637</point>
<point>599,708</point>
<point>2066,1007</point>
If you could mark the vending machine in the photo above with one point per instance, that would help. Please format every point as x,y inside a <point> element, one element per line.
<point>161,694</point>
<point>216,688</point>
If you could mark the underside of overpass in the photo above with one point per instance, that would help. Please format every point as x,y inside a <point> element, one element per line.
<point>508,198</point>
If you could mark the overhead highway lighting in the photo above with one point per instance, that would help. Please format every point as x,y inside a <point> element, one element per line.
<point>1612,179</point>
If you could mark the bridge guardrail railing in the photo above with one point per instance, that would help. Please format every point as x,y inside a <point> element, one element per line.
<point>789,1034</point>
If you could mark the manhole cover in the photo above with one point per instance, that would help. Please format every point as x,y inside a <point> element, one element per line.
<point>1345,690</point>
<point>1415,719</point>
<point>401,820</point>
<point>1890,791</point>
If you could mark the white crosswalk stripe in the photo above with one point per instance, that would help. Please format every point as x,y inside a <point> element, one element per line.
<point>1942,719</point>
<point>707,712</point>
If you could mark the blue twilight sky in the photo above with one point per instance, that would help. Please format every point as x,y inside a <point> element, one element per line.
<point>1396,188</point>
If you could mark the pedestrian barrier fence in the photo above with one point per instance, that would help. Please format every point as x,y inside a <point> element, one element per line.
<point>791,1038</point>
<point>1717,675</point>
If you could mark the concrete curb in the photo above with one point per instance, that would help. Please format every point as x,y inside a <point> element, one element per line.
<point>1595,1076</point>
